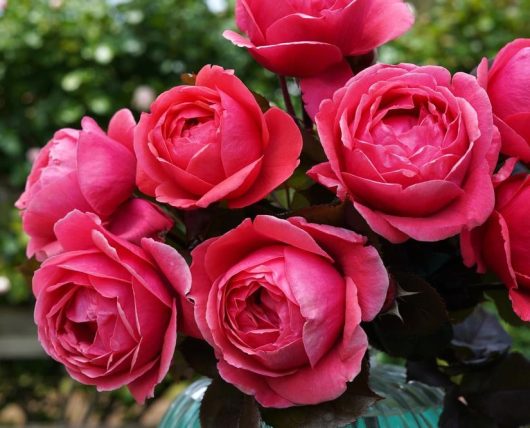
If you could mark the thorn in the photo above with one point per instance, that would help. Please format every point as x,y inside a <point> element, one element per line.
<point>404,293</point>
<point>394,310</point>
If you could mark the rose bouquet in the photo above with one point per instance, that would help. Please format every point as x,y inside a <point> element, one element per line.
<point>273,250</point>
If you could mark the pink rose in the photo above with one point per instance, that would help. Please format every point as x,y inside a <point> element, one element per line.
<point>412,149</point>
<point>210,142</point>
<point>108,309</point>
<point>507,83</point>
<point>502,243</point>
<point>281,302</point>
<point>86,170</point>
<point>313,39</point>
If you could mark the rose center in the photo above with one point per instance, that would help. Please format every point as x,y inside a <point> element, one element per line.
<point>410,132</point>
<point>191,127</point>
<point>263,307</point>
<point>85,332</point>
<point>257,312</point>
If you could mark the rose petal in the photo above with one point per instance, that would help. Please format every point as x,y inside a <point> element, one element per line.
<point>137,219</point>
<point>297,58</point>
<point>121,128</point>
<point>322,86</point>
<point>280,158</point>
<point>106,172</point>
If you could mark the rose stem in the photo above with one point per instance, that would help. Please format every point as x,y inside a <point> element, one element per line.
<point>286,96</point>
<point>288,196</point>
<point>490,286</point>
<point>308,123</point>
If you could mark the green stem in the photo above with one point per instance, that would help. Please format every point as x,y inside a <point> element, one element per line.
<point>287,97</point>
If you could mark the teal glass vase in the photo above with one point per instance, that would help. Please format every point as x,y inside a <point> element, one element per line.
<point>406,404</point>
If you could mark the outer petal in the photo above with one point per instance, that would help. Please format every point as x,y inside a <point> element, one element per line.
<point>121,128</point>
<point>239,123</point>
<point>506,54</point>
<point>515,134</point>
<point>509,78</point>
<point>322,86</point>
<point>521,303</point>
<point>148,173</point>
<point>471,210</point>
<point>106,172</point>
<point>137,219</point>
<point>323,174</point>
<point>375,21</point>
<point>482,73</point>
<point>201,287</point>
<point>229,249</point>
<point>470,247</point>
<point>466,86</point>
<point>176,270</point>
<point>297,58</point>
<point>144,387</point>
<point>48,206</point>
<point>171,263</point>
<point>263,14</point>
<point>498,254</point>
<point>280,158</point>
<point>253,384</point>
<point>359,262</point>
<point>90,125</point>
<point>418,200</point>
<point>326,381</point>
<point>241,179</point>
<point>380,225</point>
<point>74,231</point>
<point>309,276</point>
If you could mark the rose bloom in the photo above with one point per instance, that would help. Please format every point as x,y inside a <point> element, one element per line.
<point>412,149</point>
<point>87,170</point>
<point>211,142</point>
<point>281,302</point>
<point>108,309</point>
<point>313,39</point>
<point>502,243</point>
<point>507,83</point>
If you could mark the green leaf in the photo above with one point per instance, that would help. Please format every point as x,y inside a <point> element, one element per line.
<point>457,414</point>
<point>344,410</point>
<point>427,372</point>
<point>312,148</point>
<point>200,356</point>
<point>355,222</point>
<point>479,339</point>
<point>225,406</point>
<point>332,214</point>
<point>504,307</point>
<point>501,392</point>
<point>299,202</point>
<point>262,101</point>
<point>300,180</point>
<point>423,330</point>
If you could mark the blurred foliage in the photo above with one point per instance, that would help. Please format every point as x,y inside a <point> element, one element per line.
<point>457,34</point>
<point>42,391</point>
<point>62,59</point>
<point>14,283</point>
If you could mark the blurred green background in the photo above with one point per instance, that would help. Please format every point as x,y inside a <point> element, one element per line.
<point>63,59</point>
